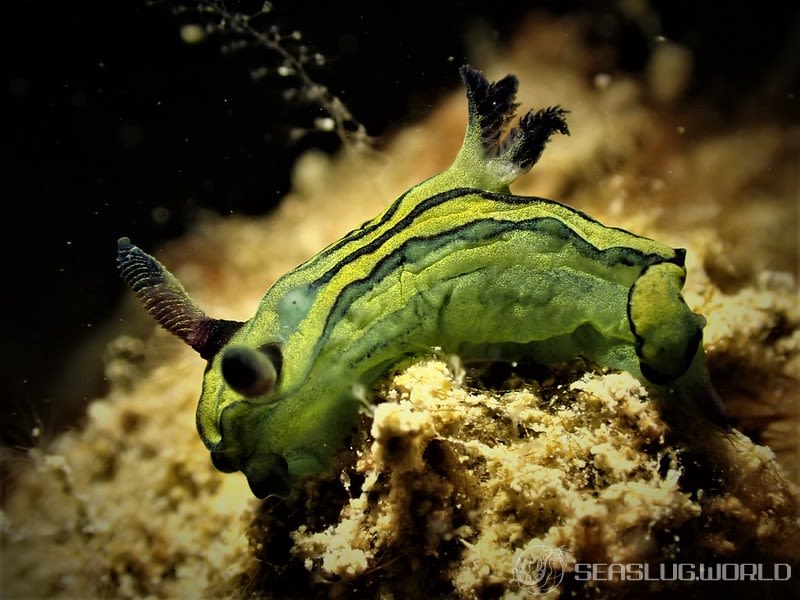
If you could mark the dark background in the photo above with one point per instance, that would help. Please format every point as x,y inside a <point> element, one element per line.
<point>115,126</point>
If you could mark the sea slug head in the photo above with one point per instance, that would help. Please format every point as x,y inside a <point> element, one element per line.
<point>272,427</point>
<point>240,417</point>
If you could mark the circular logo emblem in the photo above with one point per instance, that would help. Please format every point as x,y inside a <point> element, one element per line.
<point>540,568</point>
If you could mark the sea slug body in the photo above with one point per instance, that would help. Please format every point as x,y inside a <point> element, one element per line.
<point>456,262</point>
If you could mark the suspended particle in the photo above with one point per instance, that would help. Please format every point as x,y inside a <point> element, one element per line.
<point>324,124</point>
<point>602,81</point>
<point>160,215</point>
<point>259,73</point>
<point>192,34</point>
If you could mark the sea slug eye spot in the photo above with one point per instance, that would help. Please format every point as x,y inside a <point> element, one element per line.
<point>251,372</point>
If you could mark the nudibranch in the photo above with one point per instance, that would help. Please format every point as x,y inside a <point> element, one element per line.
<point>458,263</point>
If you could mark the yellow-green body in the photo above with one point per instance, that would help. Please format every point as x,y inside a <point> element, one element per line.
<point>456,263</point>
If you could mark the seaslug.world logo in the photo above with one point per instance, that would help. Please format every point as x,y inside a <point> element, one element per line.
<point>540,568</point>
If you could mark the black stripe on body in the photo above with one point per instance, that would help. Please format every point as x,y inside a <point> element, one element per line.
<point>479,231</point>
<point>427,205</point>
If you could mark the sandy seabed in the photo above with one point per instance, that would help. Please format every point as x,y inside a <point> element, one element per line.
<point>460,479</point>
